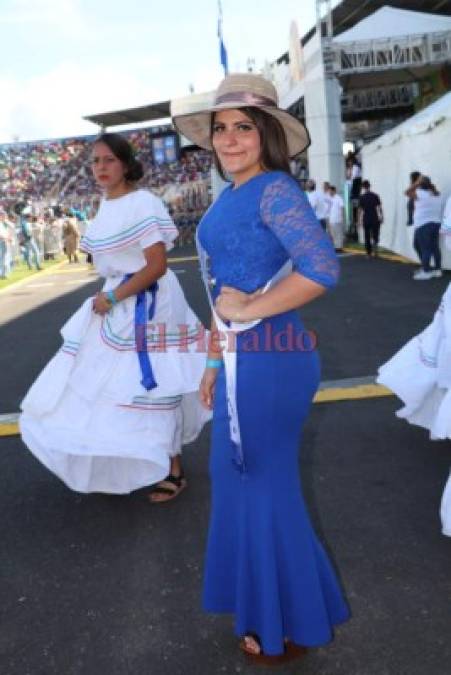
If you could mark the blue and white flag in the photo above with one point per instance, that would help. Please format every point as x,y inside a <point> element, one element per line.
<point>222,49</point>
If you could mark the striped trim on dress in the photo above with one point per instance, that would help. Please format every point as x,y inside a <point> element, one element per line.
<point>166,403</point>
<point>428,360</point>
<point>70,347</point>
<point>130,236</point>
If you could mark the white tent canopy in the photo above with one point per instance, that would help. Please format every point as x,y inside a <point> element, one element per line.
<point>422,143</point>
<point>390,22</point>
<point>421,123</point>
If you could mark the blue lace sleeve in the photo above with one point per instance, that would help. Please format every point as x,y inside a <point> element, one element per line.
<point>287,212</point>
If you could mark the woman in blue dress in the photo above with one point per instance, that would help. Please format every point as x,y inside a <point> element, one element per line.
<point>268,256</point>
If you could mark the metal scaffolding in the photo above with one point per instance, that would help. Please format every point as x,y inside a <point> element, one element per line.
<point>384,97</point>
<point>391,53</point>
<point>379,98</point>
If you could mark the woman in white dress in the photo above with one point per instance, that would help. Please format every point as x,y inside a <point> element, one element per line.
<point>420,375</point>
<point>111,410</point>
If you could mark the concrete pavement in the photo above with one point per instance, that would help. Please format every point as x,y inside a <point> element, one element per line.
<point>99,584</point>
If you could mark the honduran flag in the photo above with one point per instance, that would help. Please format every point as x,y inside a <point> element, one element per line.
<point>222,49</point>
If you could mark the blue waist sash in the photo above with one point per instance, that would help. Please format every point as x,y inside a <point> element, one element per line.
<point>142,316</point>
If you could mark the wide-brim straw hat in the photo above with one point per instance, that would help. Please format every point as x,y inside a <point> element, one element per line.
<point>243,90</point>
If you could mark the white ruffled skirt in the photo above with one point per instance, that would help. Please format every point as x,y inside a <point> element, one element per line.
<point>420,375</point>
<point>88,419</point>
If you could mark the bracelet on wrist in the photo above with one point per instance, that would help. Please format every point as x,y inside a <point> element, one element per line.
<point>214,363</point>
<point>111,297</point>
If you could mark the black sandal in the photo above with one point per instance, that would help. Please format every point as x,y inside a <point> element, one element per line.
<point>171,487</point>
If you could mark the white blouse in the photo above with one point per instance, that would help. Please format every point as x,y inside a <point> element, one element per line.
<point>428,208</point>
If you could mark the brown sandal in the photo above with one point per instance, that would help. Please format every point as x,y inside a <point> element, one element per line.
<point>170,487</point>
<point>291,652</point>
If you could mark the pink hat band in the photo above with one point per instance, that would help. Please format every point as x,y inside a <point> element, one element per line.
<point>246,97</point>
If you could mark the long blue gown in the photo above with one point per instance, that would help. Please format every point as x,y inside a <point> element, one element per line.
<point>264,563</point>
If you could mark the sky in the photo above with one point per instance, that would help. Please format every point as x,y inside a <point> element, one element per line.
<point>64,59</point>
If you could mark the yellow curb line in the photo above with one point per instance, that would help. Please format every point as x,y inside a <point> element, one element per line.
<point>331,395</point>
<point>397,258</point>
<point>186,259</point>
<point>351,393</point>
<point>9,429</point>
<point>40,273</point>
<point>394,257</point>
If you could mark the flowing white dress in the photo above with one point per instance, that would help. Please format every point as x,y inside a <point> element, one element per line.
<point>420,374</point>
<point>87,417</point>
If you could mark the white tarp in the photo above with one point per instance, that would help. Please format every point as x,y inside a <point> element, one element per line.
<point>422,143</point>
<point>390,22</point>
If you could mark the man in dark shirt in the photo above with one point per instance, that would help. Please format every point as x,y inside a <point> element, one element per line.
<point>370,216</point>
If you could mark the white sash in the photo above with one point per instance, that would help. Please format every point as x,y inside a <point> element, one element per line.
<point>229,356</point>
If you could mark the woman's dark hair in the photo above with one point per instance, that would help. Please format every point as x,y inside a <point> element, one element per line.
<point>414,176</point>
<point>274,147</point>
<point>426,184</point>
<point>122,149</point>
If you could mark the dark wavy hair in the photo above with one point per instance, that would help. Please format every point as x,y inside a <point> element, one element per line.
<point>426,184</point>
<point>123,150</point>
<point>274,154</point>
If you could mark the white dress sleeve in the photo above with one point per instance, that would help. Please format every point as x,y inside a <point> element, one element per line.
<point>446,223</point>
<point>155,223</point>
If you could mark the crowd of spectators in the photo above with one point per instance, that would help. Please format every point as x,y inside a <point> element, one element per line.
<point>36,171</point>
<point>54,176</point>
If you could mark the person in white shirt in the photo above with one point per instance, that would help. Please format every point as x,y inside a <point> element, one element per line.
<point>427,218</point>
<point>317,202</point>
<point>327,199</point>
<point>336,218</point>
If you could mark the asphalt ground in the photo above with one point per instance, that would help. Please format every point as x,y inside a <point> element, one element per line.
<point>100,584</point>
